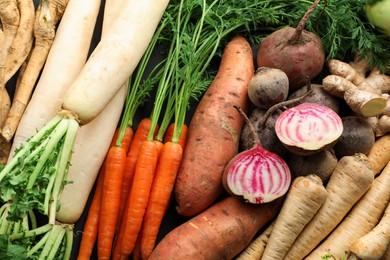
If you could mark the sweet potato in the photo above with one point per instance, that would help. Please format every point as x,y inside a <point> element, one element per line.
<point>214,131</point>
<point>220,232</point>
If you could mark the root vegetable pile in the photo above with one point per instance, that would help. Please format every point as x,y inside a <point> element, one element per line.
<point>304,176</point>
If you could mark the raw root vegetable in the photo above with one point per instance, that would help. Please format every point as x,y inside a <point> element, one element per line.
<point>68,53</point>
<point>91,224</point>
<point>268,87</point>
<point>9,18</point>
<point>318,96</point>
<point>44,32</point>
<point>321,164</point>
<point>308,128</point>
<point>349,181</point>
<point>255,249</point>
<point>214,131</point>
<point>362,93</point>
<point>360,75</point>
<point>86,140</point>
<point>48,153</point>
<point>357,137</point>
<point>379,155</point>
<point>220,232</point>
<point>363,217</point>
<point>380,124</point>
<point>306,195</point>
<point>295,51</point>
<point>23,41</point>
<point>256,175</point>
<point>373,244</point>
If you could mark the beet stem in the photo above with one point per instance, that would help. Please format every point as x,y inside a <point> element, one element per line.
<point>302,23</point>
<point>256,139</point>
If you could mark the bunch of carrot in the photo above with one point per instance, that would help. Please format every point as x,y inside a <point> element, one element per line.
<point>28,34</point>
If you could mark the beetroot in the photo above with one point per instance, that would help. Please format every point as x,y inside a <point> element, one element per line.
<point>299,53</point>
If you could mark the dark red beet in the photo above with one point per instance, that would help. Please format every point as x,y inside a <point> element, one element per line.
<point>299,53</point>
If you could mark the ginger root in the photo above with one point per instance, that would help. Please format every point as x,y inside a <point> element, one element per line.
<point>365,95</point>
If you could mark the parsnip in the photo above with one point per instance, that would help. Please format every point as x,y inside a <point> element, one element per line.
<point>66,58</point>
<point>23,40</point>
<point>349,181</point>
<point>255,249</point>
<point>362,218</point>
<point>304,198</point>
<point>373,244</point>
<point>379,155</point>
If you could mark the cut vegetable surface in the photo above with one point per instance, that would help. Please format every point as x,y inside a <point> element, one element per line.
<point>256,175</point>
<point>308,128</point>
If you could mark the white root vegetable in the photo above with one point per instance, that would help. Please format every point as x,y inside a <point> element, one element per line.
<point>114,59</point>
<point>255,249</point>
<point>372,245</point>
<point>363,217</point>
<point>349,181</point>
<point>304,198</point>
<point>66,58</point>
<point>22,43</point>
<point>83,175</point>
<point>379,155</point>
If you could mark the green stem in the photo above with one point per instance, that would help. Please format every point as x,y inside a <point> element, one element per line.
<point>4,222</point>
<point>54,233</point>
<point>69,243</point>
<point>55,137</point>
<point>65,157</point>
<point>56,245</point>
<point>33,232</point>
<point>30,143</point>
<point>33,220</point>
<point>48,193</point>
<point>38,245</point>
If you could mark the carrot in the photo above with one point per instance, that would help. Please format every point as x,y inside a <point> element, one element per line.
<point>22,43</point>
<point>140,135</point>
<point>373,244</point>
<point>219,232</point>
<point>115,164</point>
<point>349,181</point>
<point>183,137</point>
<point>142,182</point>
<point>257,246</point>
<point>379,155</point>
<point>44,32</point>
<point>304,198</point>
<point>160,194</point>
<point>362,218</point>
<point>137,250</point>
<point>214,131</point>
<point>91,224</point>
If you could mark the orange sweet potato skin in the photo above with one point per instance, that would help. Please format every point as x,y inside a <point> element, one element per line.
<point>220,232</point>
<point>214,131</point>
